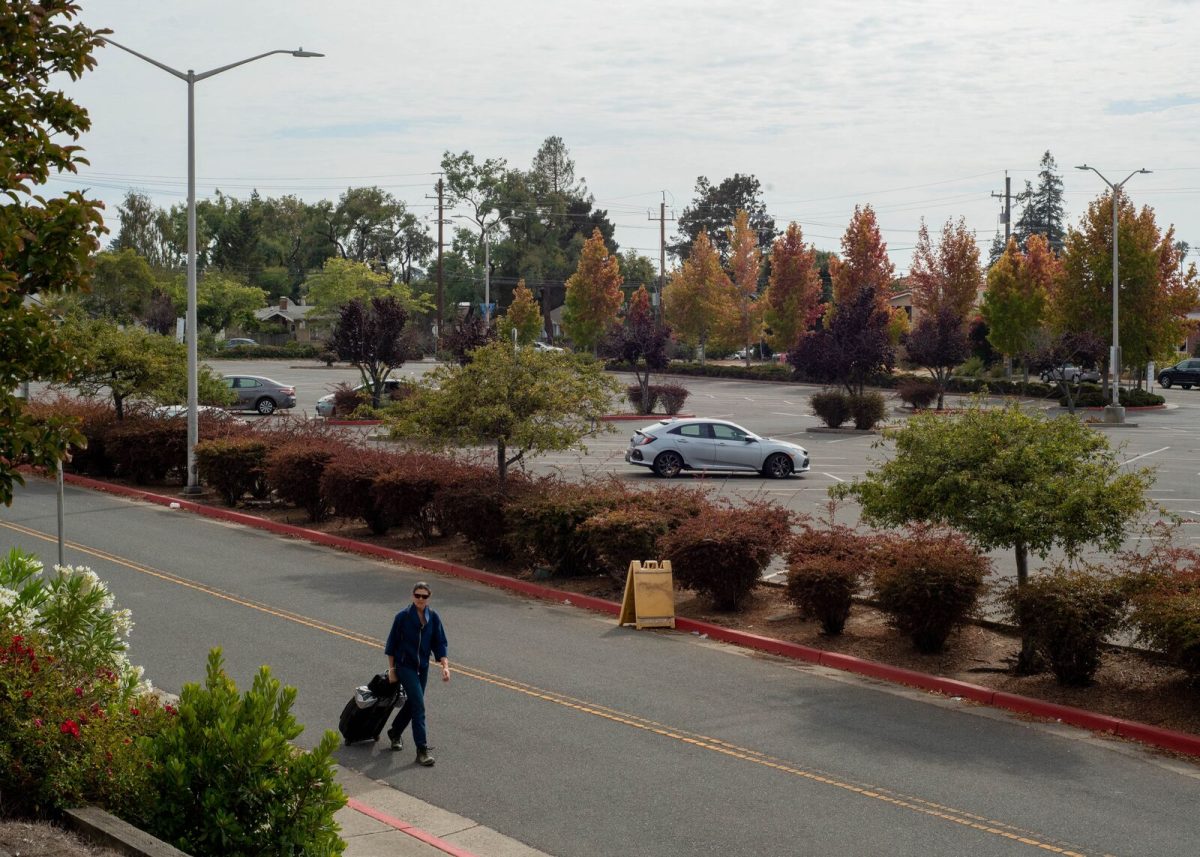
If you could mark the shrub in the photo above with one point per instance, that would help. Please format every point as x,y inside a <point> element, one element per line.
<point>294,471</point>
<point>347,485</point>
<point>347,398</point>
<point>229,780</point>
<point>71,705</point>
<point>551,519</point>
<point>1068,614</point>
<point>825,567</point>
<point>147,450</point>
<point>721,552</point>
<point>972,367</point>
<point>929,584</point>
<point>1164,594</point>
<point>1092,396</point>
<point>832,406</point>
<point>473,503</point>
<point>94,418</point>
<point>642,405</point>
<point>617,537</point>
<point>917,394</point>
<point>672,397</point>
<point>405,491</point>
<point>233,466</point>
<point>867,410</point>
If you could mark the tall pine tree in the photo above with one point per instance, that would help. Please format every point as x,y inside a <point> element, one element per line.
<point>1042,213</point>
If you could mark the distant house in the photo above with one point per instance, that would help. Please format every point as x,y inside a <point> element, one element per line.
<point>288,321</point>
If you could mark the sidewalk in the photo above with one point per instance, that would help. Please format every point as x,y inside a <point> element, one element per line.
<point>379,820</point>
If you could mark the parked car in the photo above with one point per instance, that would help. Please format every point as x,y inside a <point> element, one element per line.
<point>1074,374</point>
<point>325,403</point>
<point>255,393</point>
<point>1185,373</point>
<point>238,342</point>
<point>673,445</point>
<point>181,411</point>
<point>543,346</point>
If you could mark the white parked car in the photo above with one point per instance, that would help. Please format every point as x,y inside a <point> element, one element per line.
<point>542,346</point>
<point>325,403</point>
<point>672,445</point>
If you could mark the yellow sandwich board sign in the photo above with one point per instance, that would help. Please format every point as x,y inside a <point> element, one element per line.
<point>649,600</point>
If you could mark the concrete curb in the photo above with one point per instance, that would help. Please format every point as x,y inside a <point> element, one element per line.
<point>1180,742</point>
<point>106,830</point>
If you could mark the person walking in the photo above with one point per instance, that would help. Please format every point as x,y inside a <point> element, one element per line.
<point>416,634</point>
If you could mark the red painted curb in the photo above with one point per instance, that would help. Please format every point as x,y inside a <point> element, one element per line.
<point>415,832</point>
<point>1180,742</point>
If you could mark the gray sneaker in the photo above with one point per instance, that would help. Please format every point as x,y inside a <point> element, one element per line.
<point>397,743</point>
<point>423,758</point>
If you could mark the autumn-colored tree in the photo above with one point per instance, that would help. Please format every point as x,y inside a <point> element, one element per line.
<point>697,295</point>
<point>593,293</point>
<point>948,275</point>
<point>938,342</point>
<point>743,322</point>
<point>850,347</point>
<point>1155,295</point>
<point>1018,285</point>
<point>864,263</point>
<point>523,316</point>
<point>640,340</point>
<point>794,290</point>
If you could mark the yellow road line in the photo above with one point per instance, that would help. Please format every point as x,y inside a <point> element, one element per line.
<point>703,742</point>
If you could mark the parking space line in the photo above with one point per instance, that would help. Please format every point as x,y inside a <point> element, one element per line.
<point>1144,454</point>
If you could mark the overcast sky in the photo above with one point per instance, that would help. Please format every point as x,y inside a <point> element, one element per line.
<point>917,108</point>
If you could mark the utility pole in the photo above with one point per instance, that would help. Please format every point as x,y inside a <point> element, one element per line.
<point>1007,197</point>
<point>440,293</point>
<point>662,251</point>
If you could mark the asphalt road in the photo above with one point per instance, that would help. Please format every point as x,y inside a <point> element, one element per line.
<point>581,738</point>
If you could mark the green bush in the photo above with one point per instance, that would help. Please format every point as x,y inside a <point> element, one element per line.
<point>617,537</point>
<point>72,708</point>
<point>294,470</point>
<point>721,552</point>
<point>298,350</point>
<point>1092,396</point>
<point>551,519</point>
<point>917,394</point>
<point>233,466</point>
<point>825,568</point>
<point>832,406</point>
<point>672,397</point>
<point>1068,613</point>
<point>347,485</point>
<point>229,781</point>
<point>972,367</point>
<point>642,405</point>
<point>867,410</point>
<point>929,584</point>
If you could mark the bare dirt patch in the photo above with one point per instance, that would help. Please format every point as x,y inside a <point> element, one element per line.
<point>40,839</point>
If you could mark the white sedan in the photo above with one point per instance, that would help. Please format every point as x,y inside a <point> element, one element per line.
<point>670,446</point>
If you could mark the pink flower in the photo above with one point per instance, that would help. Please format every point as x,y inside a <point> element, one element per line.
<point>79,691</point>
<point>69,727</point>
<point>37,721</point>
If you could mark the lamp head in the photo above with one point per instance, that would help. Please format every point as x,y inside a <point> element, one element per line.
<point>1145,171</point>
<point>303,53</point>
<point>1083,167</point>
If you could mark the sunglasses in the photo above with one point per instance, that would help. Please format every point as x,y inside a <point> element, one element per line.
<point>421,595</point>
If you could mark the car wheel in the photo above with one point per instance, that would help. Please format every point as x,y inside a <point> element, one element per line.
<point>778,466</point>
<point>1186,386</point>
<point>668,464</point>
<point>265,406</point>
<point>1165,382</point>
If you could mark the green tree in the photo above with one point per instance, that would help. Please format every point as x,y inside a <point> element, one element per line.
<point>520,401</point>
<point>715,207</point>
<point>343,280</point>
<point>122,287</point>
<point>523,315</point>
<point>146,230</point>
<point>593,294</point>
<point>1018,287</point>
<point>1007,479</point>
<point>222,301</point>
<point>371,226</point>
<point>1042,213</point>
<point>132,364</point>
<point>638,270</point>
<point>794,289</point>
<point>45,241</point>
<point>697,294</point>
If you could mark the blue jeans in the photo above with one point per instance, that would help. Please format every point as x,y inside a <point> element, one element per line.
<point>413,709</point>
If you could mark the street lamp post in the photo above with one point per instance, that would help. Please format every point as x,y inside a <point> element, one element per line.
<point>191,78</point>
<point>486,229</point>
<point>1114,413</point>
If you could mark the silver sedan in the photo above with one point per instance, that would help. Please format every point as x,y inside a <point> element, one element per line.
<point>673,445</point>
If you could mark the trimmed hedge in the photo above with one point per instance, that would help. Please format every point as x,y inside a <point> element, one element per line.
<point>300,350</point>
<point>347,485</point>
<point>1091,396</point>
<point>294,470</point>
<point>551,524</point>
<point>831,406</point>
<point>405,491</point>
<point>825,568</point>
<point>867,410</point>
<point>233,466</point>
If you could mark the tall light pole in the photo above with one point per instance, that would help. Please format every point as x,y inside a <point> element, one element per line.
<point>191,78</point>
<point>1114,413</point>
<point>486,228</point>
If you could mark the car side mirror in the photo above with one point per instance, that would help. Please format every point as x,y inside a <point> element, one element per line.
<point>751,440</point>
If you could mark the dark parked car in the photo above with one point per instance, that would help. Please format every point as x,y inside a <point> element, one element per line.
<point>1185,373</point>
<point>1072,373</point>
<point>260,394</point>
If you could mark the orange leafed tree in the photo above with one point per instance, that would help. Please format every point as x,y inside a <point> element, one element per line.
<point>593,294</point>
<point>698,294</point>
<point>864,262</point>
<point>794,289</point>
<point>744,322</point>
<point>948,276</point>
<point>524,316</point>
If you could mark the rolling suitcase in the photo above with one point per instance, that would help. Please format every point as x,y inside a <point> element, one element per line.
<point>367,712</point>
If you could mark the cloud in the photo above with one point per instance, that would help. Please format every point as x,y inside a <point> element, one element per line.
<point>1150,105</point>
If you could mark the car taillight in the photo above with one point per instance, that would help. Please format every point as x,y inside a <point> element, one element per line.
<point>646,438</point>
<point>288,391</point>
